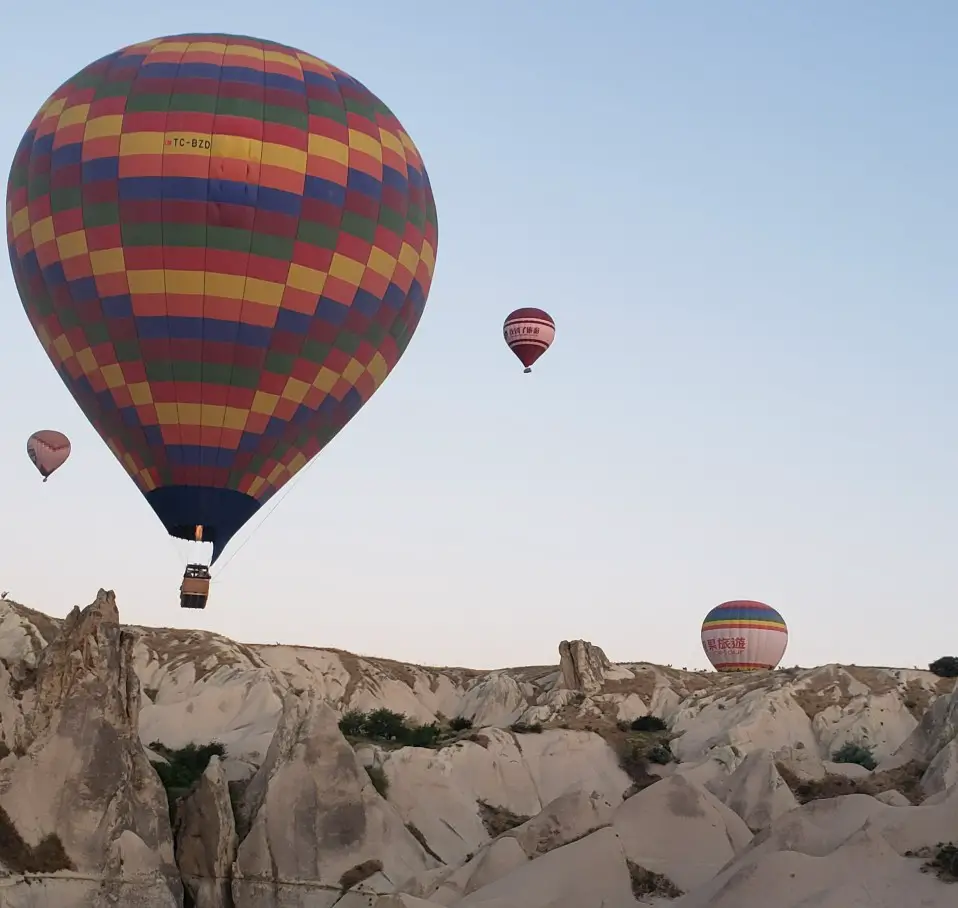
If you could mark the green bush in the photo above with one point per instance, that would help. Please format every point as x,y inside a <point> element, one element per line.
<point>945,860</point>
<point>185,766</point>
<point>423,735</point>
<point>635,765</point>
<point>386,726</point>
<point>648,723</point>
<point>460,723</point>
<point>353,723</point>
<point>945,667</point>
<point>661,754</point>
<point>855,753</point>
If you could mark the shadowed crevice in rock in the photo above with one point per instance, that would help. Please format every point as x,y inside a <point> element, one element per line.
<point>47,856</point>
<point>206,839</point>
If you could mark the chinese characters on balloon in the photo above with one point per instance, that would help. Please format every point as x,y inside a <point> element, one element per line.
<point>726,643</point>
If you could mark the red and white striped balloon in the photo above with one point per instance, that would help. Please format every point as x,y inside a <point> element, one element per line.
<point>529,333</point>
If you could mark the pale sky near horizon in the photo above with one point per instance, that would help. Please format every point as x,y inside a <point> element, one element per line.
<point>742,216</point>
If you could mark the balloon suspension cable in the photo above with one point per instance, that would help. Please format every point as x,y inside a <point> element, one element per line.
<point>274,505</point>
<point>181,562</point>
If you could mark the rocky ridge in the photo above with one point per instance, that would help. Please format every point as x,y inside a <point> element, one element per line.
<point>583,784</point>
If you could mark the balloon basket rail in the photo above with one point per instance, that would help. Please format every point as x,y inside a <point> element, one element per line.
<point>195,588</point>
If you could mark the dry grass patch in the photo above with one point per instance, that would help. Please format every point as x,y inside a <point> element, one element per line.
<point>647,883</point>
<point>355,875</point>
<point>47,627</point>
<point>905,779</point>
<point>477,737</point>
<point>498,820</point>
<point>813,701</point>
<point>918,698</point>
<point>633,750</point>
<point>946,685</point>
<point>642,684</point>
<point>179,647</point>
<point>877,680</point>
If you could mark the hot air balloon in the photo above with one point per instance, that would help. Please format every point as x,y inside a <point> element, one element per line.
<point>224,245</point>
<point>48,449</point>
<point>529,333</point>
<point>743,635</point>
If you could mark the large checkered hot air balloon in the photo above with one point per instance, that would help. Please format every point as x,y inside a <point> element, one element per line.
<point>224,245</point>
<point>744,635</point>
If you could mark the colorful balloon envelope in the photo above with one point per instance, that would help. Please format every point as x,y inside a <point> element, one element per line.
<point>49,450</point>
<point>529,333</point>
<point>224,245</point>
<point>744,635</point>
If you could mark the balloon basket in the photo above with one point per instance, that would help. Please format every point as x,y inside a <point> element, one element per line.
<point>527,370</point>
<point>195,588</point>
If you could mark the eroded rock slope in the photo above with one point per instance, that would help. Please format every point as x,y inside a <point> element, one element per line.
<point>586,783</point>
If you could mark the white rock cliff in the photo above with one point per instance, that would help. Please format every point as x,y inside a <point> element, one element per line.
<point>571,786</point>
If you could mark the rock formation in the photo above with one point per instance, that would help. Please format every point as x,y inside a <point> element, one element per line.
<point>78,793</point>
<point>317,826</point>
<point>536,788</point>
<point>583,666</point>
<point>206,839</point>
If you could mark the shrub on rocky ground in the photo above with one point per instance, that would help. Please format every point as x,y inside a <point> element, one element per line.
<point>184,765</point>
<point>905,780</point>
<point>183,768</point>
<point>661,754</point>
<point>384,726</point>
<point>945,667</point>
<point>648,723</point>
<point>635,764</point>
<point>945,861</point>
<point>855,753</point>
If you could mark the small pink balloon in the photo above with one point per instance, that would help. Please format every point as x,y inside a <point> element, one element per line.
<point>48,449</point>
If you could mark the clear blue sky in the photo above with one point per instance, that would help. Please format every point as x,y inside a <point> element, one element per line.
<point>742,216</point>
